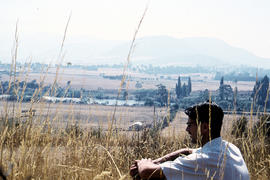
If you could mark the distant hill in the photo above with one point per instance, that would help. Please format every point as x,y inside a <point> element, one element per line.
<point>190,51</point>
<point>156,50</point>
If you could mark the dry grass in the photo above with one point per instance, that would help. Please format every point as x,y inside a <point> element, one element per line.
<point>43,153</point>
<point>46,151</point>
<point>59,141</point>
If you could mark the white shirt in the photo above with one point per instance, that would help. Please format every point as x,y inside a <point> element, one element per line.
<point>217,160</point>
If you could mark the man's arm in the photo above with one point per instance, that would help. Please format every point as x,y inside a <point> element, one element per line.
<point>172,156</point>
<point>169,157</point>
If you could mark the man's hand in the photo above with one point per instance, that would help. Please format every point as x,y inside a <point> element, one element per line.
<point>133,171</point>
<point>144,164</point>
<point>147,169</point>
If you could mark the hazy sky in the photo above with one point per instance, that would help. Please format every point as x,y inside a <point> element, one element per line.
<point>241,23</point>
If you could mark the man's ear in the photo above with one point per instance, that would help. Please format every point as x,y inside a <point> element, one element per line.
<point>205,127</point>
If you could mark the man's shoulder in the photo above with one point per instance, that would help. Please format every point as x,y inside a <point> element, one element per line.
<point>228,146</point>
<point>218,148</point>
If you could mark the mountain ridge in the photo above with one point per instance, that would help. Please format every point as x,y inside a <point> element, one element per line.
<point>156,50</point>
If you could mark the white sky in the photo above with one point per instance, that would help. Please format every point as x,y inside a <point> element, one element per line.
<point>241,23</point>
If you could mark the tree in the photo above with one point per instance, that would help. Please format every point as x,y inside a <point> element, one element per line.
<point>226,95</point>
<point>33,84</point>
<point>235,97</point>
<point>68,83</point>
<point>162,95</point>
<point>205,95</point>
<point>138,85</point>
<point>182,91</point>
<point>76,94</point>
<point>227,92</point>
<point>149,102</point>
<point>178,88</point>
<point>221,89</point>
<point>125,95</point>
<point>185,90</point>
<point>143,94</point>
<point>189,86</point>
<point>260,91</point>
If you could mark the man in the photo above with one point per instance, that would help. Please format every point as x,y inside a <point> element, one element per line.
<point>215,159</point>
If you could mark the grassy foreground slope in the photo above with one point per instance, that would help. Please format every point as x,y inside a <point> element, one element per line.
<point>35,147</point>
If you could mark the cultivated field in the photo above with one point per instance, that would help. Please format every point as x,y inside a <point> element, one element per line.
<point>93,80</point>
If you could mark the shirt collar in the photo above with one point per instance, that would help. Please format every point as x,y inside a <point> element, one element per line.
<point>214,142</point>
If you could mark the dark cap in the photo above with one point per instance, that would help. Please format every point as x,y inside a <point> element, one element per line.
<point>202,111</point>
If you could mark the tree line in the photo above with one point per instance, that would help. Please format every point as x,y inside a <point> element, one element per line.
<point>227,97</point>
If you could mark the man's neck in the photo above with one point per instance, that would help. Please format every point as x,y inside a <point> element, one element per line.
<point>207,139</point>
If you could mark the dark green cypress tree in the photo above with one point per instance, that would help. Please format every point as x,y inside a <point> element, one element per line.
<point>221,88</point>
<point>189,86</point>
<point>264,90</point>
<point>178,88</point>
<point>184,90</point>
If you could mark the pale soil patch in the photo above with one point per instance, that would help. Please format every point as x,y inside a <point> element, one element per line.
<point>86,116</point>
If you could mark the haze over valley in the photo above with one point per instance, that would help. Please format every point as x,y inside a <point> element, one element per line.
<point>155,50</point>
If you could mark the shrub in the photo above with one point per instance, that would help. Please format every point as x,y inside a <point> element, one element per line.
<point>239,127</point>
<point>262,127</point>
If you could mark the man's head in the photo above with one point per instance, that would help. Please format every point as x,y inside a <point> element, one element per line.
<point>208,117</point>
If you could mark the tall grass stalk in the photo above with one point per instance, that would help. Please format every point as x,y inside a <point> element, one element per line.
<point>124,76</point>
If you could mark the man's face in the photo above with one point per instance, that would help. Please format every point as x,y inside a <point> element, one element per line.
<point>192,130</point>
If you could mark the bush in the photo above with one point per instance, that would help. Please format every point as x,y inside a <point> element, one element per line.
<point>262,127</point>
<point>149,102</point>
<point>239,127</point>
